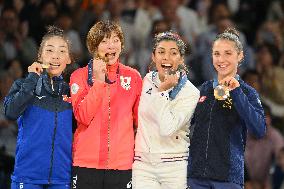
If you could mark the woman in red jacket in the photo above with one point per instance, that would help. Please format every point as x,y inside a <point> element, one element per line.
<point>105,96</point>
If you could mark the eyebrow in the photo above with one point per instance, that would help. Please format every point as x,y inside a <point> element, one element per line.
<point>59,46</point>
<point>224,50</point>
<point>173,48</point>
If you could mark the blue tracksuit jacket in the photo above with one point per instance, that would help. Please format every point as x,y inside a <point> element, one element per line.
<point>219,136</point>
<point>43,153</point>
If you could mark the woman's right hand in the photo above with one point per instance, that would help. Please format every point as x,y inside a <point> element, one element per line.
<point>99,69</point>
<point>36,68</point>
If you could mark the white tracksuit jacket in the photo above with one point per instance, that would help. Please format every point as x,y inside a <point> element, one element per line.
<point>163,124</point>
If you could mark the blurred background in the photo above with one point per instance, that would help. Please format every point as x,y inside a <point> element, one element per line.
<point>261,22</point>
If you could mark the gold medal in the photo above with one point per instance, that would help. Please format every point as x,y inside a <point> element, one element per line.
<point>221,92</point>
<point>103,58</point>
<point>45,66</point>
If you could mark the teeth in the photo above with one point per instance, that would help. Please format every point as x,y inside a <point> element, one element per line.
<point>56,65</point>
<point>110,54</point>
<point>166,65</point>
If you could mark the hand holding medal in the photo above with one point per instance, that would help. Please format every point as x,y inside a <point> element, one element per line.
<point>222,91</point>
<point>38,67</point>
<point>99,67</point>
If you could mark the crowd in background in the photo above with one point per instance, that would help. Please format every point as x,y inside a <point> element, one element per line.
<point>23,22</point>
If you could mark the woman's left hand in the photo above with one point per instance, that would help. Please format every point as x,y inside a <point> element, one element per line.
<point>230,82</point>
<point>170,81</point>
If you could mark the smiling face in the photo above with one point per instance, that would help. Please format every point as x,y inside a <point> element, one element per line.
<point>166,56</point>
<point>110,48</point>
<point>55,52</point>
<point>226,58</point>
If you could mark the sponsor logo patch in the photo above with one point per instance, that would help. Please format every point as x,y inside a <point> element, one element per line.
<point>202,99</point>
<point>74,88</point>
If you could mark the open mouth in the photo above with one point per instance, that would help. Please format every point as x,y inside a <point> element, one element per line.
<point>167,66</point>
<point>222,66</point>
<point>54,65</point>
<point>110,55</point>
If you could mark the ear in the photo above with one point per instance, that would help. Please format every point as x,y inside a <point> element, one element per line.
<point>39,58</point>
<point>69,60</point>
<point>181,60</point>
<point>240,56</point>
<point>153,57</point>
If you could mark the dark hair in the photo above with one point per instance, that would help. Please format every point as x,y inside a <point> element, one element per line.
<point>231,34</point>
<point>53,31</point>
<point>273,50</point>
<point>170,36</point>
<point>101,30</point>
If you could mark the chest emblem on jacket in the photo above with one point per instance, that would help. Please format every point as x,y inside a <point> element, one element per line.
<point>125,82</point>
<point>74,88</point>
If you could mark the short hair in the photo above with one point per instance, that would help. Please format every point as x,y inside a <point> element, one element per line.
<point>101,30</point>
<point>170,36</point>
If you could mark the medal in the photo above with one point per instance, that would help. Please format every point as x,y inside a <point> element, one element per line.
<point>221,92</point>
<point>45,66</point>
<point>103,58</point>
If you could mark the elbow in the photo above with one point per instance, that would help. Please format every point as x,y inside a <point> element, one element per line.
<point>263,131</point>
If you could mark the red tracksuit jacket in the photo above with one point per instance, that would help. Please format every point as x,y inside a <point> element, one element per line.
<point>106,115</point>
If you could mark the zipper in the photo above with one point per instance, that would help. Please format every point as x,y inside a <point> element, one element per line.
<point>208,135</point>
<point>52,146</point>
<point>108,128</point>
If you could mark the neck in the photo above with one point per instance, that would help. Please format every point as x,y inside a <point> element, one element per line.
<point>221,77</point>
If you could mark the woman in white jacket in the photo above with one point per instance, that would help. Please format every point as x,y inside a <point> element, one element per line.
<point>167,103</point>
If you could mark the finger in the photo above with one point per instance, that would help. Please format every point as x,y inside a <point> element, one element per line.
<point>39,69</point>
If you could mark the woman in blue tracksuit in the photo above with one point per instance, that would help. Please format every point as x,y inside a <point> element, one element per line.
<point>43,154</point>
<point>227,109</point>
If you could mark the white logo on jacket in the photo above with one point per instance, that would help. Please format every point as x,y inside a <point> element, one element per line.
<point>125,82</point>
<point>40,97</point>
<point>75,178</point>
<point>129,184</point>
<point>74,88</point>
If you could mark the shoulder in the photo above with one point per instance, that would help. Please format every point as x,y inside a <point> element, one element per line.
<point>206,85</point>
<point>128,70</point>
<point>191,88</point>
<point>247,89</point>
<point>79,73</point>
<point>17,84</point>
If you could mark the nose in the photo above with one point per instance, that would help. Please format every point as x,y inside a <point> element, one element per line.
<point>110,44</point>
<point>166,56</point>
<point>56,55</point>
<point>221,58</point>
